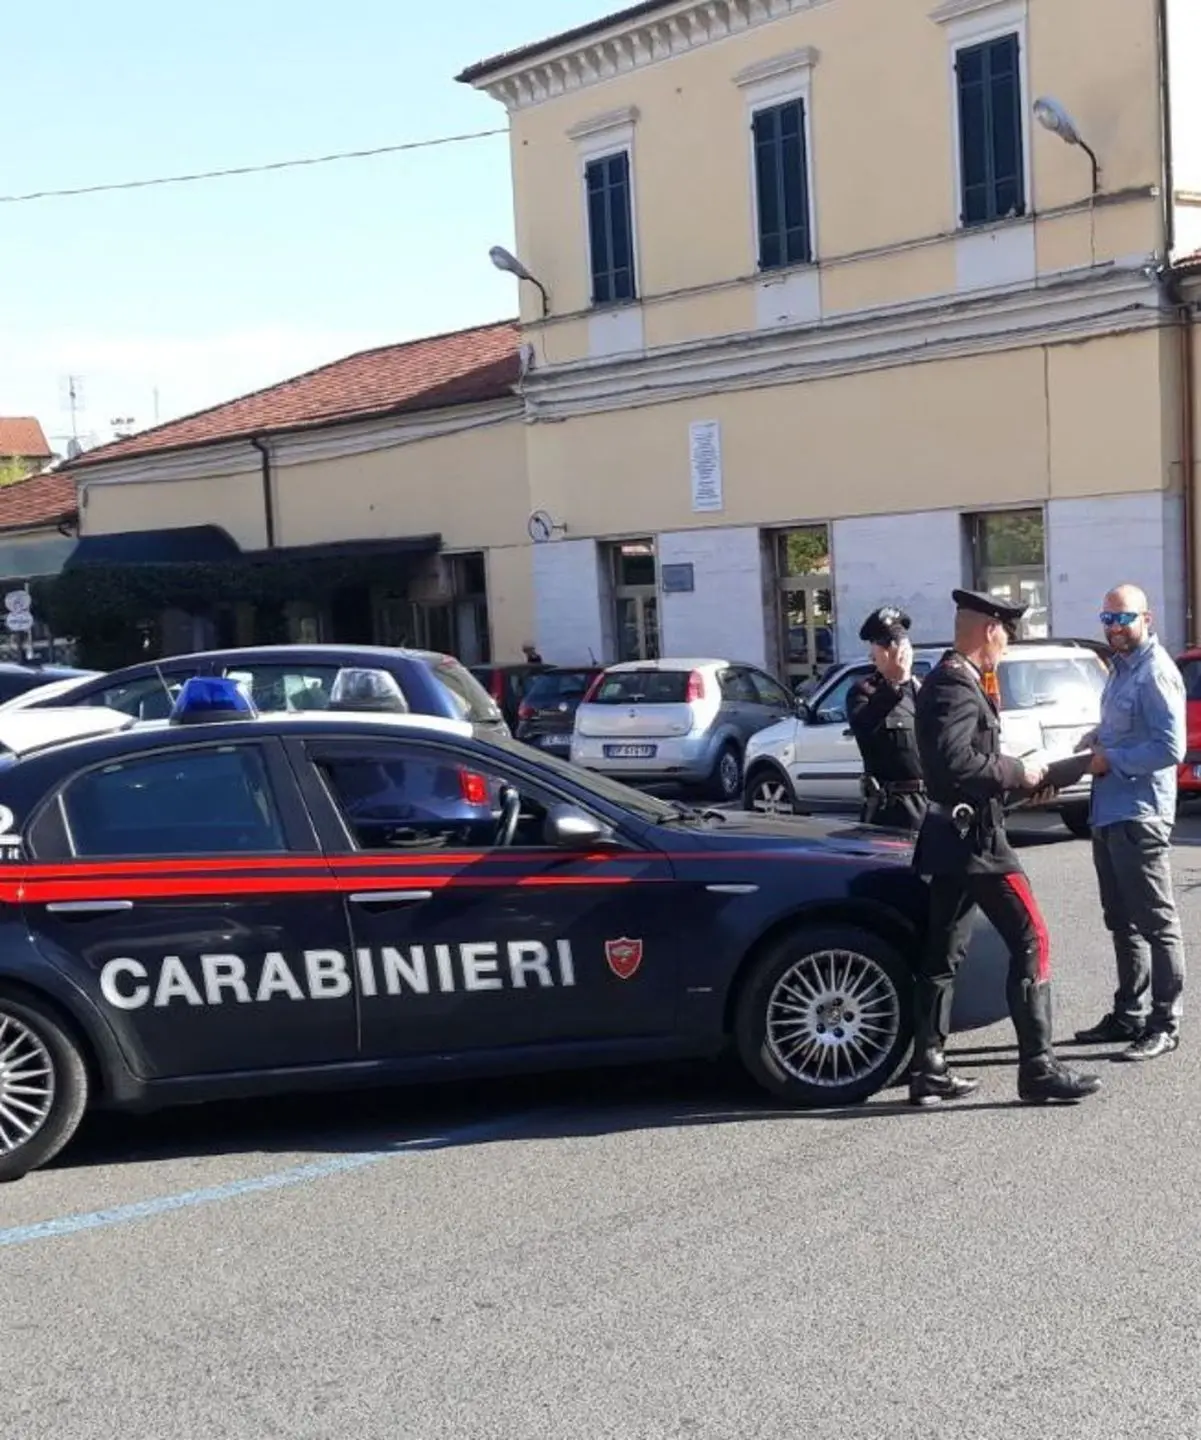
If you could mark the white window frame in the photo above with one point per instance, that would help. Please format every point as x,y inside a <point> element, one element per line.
<point>767,83</point>
<point>976,22</point>
<point>599,138</point>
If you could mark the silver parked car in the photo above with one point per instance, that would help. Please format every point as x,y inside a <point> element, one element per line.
<point>677,721</point>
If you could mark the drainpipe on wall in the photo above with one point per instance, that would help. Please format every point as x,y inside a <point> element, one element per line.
<point>1187,396</point>
<point>268,500</point>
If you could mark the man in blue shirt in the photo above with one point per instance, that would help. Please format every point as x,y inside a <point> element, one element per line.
<point>1136,748</point>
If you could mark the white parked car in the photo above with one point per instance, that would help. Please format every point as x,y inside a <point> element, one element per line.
<point>683,722</point>
<point>1050,698</point>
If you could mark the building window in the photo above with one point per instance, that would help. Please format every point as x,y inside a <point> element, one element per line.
<point>782,185</point>
<point>610,228</point>
<point>991,157</point>
<point>804,602</point>
<point>635,582</point>
<point>1009,562</point>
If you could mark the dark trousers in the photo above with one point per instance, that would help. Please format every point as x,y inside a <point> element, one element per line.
<point>1007,902</point>
<point>1134,874</point>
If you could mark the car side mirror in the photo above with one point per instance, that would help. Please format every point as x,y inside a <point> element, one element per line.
<point>802,709</point>
<point>567,828</point>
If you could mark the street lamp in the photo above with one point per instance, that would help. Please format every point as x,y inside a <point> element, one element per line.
<point>1052,116</point>
<point>501,258</point>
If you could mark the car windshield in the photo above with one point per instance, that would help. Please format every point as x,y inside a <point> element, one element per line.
<point>1027,684</point>
<point>557,685</point>
<point>645,807</point>
<point>473,701</point>
<point>643,687</point>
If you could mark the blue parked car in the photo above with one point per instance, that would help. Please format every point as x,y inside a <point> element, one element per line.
<point>296,677</point>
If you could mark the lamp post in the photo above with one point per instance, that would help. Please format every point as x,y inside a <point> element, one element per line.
<point>501,258</point>
<point>1052,116</point>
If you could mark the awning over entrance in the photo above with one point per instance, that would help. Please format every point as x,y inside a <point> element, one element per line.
<point>210,544</point>
<point>189,545</point>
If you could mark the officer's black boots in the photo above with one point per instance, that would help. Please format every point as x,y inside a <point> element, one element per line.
<point>1041,1076</point>
<point>931,1081</point>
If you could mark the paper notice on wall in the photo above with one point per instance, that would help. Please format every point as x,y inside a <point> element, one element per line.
<point>704,443</point>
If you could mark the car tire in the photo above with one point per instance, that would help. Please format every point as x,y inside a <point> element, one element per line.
<point>859,1060</point>
<point>725,782</point>
<point>768,792</point>
<point>41,1044</point>
<point>1076,818</point>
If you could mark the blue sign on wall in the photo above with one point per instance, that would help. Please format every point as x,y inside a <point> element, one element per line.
<point>677,579</point>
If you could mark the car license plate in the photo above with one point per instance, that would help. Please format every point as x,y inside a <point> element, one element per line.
<point>1197,772</point>
<point>629,752</point>
<point>556,742</point>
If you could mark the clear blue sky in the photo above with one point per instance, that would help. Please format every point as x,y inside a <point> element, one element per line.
<point>210,289</point>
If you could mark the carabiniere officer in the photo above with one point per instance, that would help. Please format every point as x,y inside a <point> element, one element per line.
<point>964,850</point>
<point>880,713</point>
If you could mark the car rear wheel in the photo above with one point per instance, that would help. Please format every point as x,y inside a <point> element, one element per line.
<point>43,1087</point>
<point>769,793</point>
<point>825,1018</point>
<point>725,783</point>
<point>1076,818</point>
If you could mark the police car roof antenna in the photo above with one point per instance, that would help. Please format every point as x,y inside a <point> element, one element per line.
<point>162,680</point>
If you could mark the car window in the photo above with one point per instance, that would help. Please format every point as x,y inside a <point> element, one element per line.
<point>643,687</point>
<point>280,688</point>
<point>189,802</point>
<point>736,685</point>
<point>1190,673</point>
<point>831,707</point>
<point>473,702</point>
<point>401,798</point>
<point>1028,683</point>
<point>557,686</point>
<point>17,684</point>
<point>149,698</point>
<point>769,691</point>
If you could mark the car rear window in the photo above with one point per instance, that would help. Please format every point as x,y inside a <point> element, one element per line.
<point>474,703</point>
<point>1190,673</point>
<point>559,685</point>
<point>643,687</point>
<point>1046,680</point>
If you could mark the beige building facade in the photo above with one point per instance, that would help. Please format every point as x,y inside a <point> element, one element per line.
<point>836,318</point>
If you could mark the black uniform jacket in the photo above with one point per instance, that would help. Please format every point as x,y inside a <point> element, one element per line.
<point>959,741</point>
<point>882,716</point>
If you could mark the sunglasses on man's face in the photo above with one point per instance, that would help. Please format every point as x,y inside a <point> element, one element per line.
<point>1110,618</point>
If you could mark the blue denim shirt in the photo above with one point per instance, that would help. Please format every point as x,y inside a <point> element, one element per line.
<point>1143,734</point>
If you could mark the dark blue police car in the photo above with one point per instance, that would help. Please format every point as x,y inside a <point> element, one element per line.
<point>227,904</point>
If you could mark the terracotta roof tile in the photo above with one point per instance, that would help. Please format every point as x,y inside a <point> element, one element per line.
<point>21,436</point>
<point>463,368</point>
<point>40,500</point>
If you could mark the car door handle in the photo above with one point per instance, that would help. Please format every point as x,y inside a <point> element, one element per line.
<point>390,897</point>
<point>87,907</point>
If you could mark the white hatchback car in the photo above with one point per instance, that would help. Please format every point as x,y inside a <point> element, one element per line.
<point>1050,699</point>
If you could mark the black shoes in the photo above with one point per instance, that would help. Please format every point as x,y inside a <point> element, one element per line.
<point>1045,1081</point>
<point>1151,1046</point>
<point>1112,1030</point>
<point>934,1083</point>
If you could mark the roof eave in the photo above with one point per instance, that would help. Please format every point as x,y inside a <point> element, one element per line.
<point>93,460</point>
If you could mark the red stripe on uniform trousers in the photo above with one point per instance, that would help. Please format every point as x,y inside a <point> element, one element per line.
<point>1021,888</point>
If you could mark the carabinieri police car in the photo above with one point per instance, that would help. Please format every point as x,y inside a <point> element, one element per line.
<point>228,904</point>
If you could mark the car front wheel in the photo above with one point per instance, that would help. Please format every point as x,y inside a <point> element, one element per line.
<point>769,793</point>
<point>825,1018</point>
<point>43,1087</point>
<point>1076,818</point>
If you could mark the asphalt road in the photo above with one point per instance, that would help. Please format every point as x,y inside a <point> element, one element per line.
<point>647,1256</point>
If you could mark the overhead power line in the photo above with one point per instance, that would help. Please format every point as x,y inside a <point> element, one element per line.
<point>251,169</point>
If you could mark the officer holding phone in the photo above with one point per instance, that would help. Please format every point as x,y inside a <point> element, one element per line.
<point>880,713</point>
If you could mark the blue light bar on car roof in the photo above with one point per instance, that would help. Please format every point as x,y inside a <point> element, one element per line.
<point>208,698</point>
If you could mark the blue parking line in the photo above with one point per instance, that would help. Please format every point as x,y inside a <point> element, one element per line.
<point>234,1189</point>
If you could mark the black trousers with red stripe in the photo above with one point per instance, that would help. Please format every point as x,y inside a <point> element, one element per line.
<point>1007,901</point>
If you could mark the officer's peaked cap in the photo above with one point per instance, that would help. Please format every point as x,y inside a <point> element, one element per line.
<point>884,626</point>
<point>988,605</point>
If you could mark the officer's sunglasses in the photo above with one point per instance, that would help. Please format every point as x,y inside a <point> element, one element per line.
<point>1110,618</point>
